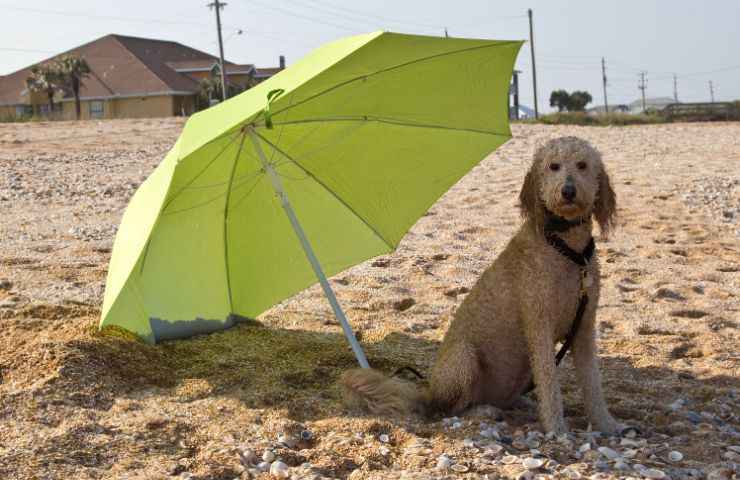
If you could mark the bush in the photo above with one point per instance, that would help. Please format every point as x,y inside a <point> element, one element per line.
<point>602,120</point>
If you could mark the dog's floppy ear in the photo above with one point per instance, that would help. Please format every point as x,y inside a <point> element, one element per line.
<point>530,204</point>
<point>605,207</point>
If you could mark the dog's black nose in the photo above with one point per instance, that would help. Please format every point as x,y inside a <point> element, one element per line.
<point>568,192</point>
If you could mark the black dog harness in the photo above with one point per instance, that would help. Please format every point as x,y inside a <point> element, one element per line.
<point>559,224</point>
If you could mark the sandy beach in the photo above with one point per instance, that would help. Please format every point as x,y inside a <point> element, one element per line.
<point>77,404</point>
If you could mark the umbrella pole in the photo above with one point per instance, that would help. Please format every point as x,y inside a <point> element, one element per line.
<point>277,184</point>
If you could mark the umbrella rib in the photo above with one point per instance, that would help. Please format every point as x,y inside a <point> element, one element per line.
<point>169,201</point>
<point>391,68</point>
<point>391,121</point>
<point>196,176</point>
<point>325,187</point>
<point>226,222</point>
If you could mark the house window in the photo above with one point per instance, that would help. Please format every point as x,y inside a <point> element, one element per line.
<point>97,109</point>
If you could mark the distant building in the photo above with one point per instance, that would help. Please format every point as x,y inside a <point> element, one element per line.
<point>651,104</point>
<point>620,108</point>
<point>525,112</point>
<point>131,78</point>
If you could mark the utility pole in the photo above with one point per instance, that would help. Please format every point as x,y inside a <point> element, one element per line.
<point>534,66</point>
<point>711,91</point>
<point>603,77</point>
<point>642,86</point>
<point>675,88</point>
<point>218,5</point>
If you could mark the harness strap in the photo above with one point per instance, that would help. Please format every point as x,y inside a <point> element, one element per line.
<point>581,259</point>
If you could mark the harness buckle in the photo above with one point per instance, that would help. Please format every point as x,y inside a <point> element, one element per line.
<point>586,281</point>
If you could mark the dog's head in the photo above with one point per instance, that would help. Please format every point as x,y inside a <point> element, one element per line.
<point>568,178</point>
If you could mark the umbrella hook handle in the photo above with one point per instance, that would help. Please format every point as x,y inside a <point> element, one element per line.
<point>271,96</point>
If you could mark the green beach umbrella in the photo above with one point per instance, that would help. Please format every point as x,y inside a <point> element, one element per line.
<point>324,165</point>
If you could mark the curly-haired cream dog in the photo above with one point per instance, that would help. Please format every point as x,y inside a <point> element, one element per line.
<point>507,327</point>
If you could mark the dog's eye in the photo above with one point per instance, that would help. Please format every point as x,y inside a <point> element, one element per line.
<point>554,167</point>
<point>581,165</point>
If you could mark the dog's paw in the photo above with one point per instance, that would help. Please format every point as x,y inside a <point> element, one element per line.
<point>556,428</point>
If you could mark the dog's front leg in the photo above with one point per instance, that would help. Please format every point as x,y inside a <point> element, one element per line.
<point>540,341</point>
<point>589,377</point>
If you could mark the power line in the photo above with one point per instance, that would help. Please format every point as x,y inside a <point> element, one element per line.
<point>24,50</point>
<point>302,17</point>
<point>101,17</point>
<point>357,16</point>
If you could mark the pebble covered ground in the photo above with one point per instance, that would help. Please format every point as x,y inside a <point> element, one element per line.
<point>260,401</point>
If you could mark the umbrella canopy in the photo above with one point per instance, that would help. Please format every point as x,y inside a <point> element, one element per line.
<point>361,137</point>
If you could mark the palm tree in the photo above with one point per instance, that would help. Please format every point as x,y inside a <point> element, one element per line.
<point>74,70</point>
<point>45,79</point>
<point>209,88</point>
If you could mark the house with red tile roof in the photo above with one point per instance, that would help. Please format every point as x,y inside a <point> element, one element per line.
<point>130,77</point>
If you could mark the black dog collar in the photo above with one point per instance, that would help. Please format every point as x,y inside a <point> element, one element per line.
<point>556,223</point>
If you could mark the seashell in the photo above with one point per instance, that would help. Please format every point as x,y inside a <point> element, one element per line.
<point>609,453</point>
<point>460,468</point>
<point>444,462</point>
<point>731,456</point>
<point>385,451</point>
<point>493,449</point>
<point>508,459</point>
<point>675,456</point>
<point>306,435</point>
<point>621,465</point>
<point>630,453</point>
<point>248,457</point>
<point>384,438</point>
<point>519,445</point>
<point>468,443</point>
<point>533,463</point>
<point>653,473</point>
<point>268,456</point>
<point>263,466</point>
<point>279,470</point>
<point>572,474</point>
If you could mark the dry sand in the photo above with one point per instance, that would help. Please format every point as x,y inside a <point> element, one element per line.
<point>75,404</point>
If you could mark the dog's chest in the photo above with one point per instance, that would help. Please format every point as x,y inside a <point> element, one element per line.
<point>563,293</point>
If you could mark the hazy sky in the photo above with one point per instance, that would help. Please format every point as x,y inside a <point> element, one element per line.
<point>699,41</point>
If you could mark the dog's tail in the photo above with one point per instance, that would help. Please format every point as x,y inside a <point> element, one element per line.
<point>372,391</point>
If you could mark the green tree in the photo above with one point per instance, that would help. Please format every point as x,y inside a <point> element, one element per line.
<point>73,70</point>
<point>578,101</point>
<point>560,99</point>
<point>210,88</point>
<point>45,79</point>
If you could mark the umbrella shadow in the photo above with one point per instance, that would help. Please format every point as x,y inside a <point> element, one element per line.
<point>263,367</point>
<point>296,371</point>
